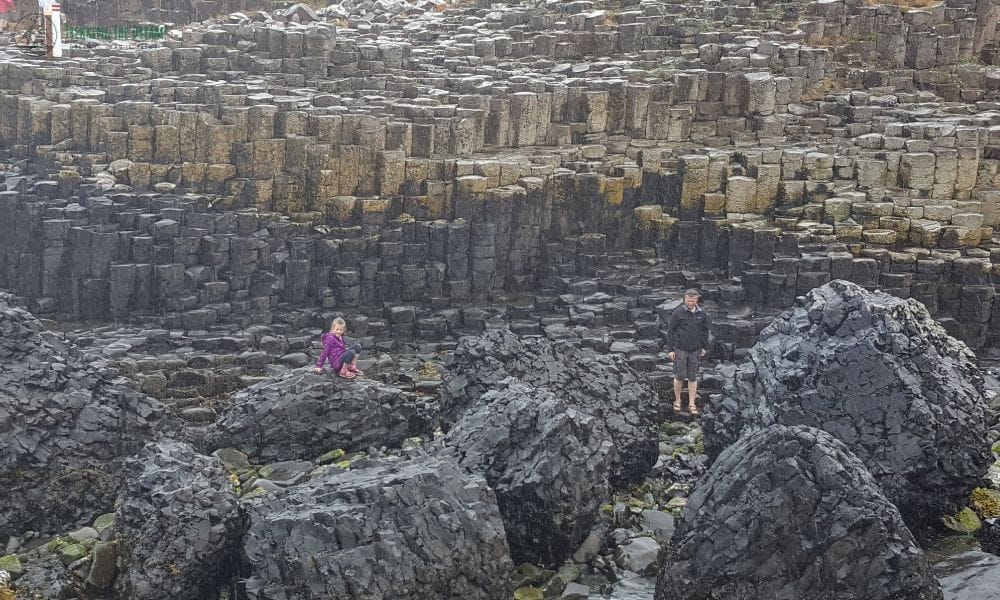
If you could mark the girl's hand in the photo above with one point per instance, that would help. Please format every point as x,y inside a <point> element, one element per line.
<point>319,370</point>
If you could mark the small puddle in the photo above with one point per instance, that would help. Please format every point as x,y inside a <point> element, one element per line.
<point>632,588</point>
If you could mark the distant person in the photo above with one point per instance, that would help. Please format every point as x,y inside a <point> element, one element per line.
<point>6,7</point>
<point>336,351</point>
<point>688,337</point>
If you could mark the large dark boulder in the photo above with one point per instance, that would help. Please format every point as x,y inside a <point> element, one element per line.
<point>302,414</point>
<point>177,525</point>
<point>788,513</point>
<point>879,374</point>
<point>600,385</point>
<point>548,463</point>
<point>398,530</point>
<point>65,428</point>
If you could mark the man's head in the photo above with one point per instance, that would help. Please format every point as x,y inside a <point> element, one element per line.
<point>691,298</point>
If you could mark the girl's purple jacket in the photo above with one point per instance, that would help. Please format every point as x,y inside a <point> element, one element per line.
<point>333,348</point>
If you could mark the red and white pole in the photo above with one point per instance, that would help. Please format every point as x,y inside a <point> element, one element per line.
<point>53,29</point>
<point>56,30</point>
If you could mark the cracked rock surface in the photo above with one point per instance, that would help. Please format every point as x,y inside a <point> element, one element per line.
<point>399,530</point>
<point>301,414</point>
<point>601,386</point>
<point>788,513</point>
<point>177,524</point>
<point>548,462</point>
<point>878,373</point>
<point>65,428</point>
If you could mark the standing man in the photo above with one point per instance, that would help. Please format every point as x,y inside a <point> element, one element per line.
<point>687,337</point>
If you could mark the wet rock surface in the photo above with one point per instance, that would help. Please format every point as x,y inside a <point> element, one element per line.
<point>177,525</point>
<point>66,424</point>
<point>598,385</point>
<point>301,414</point>
<point>790,513</point>
<point>970,576</point>
<point>547,460</point>
<point>879,374</point>
<point>402,530</point>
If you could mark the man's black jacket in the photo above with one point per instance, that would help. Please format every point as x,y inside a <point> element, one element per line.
<point>688,330</point>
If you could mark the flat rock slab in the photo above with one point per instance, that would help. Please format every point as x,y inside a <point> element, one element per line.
<point>970,576</point>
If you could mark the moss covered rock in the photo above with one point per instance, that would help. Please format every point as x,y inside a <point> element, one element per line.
<point>12,564</point>
<point>70,553</point>
<point>965,521</point>
<point>986,502</point>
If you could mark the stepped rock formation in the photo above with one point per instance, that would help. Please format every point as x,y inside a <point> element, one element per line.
<point>177,525</point>
<point>65,428</point>
<point>433,169</point>
<point>788,513</point>
<point>598,386</point>
<point>879,374</point>
<point>403,530</point>
<point>548,462</point>
<point>391,152</point>
<point>301,414</point>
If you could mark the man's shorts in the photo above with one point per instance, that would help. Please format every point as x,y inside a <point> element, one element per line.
<point>686,364</point>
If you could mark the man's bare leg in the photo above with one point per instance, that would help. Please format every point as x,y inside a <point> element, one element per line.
<point>678,388</point>
<point>692,395</point>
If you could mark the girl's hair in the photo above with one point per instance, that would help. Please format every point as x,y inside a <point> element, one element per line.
<point>338,321</point>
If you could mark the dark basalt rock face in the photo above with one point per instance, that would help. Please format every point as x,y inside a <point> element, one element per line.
<point>601,386</point>
<point>302,414</point>
<point>64,428</point>
<point>399,530</point>
<point>548,462</point>
<point>177,524</point>
<point>788,513</point>
<point>879,374</point>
